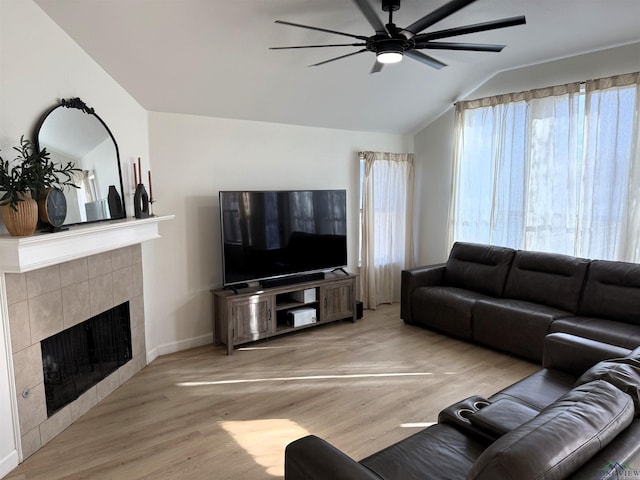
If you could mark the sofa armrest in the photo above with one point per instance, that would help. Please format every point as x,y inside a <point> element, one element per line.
<point>311,458</point>
<point>575,355</point>
<point>502,416</point>
<point>417,277</point>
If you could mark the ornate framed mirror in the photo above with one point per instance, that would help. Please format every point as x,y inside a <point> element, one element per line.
<point>73,132</point>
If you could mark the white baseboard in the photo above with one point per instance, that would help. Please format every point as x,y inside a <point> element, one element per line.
<point>185,344</point>
<point>8,463</point>
<point>152,355</point>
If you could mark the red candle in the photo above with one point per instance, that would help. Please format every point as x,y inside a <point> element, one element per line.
<point>150,188</point>
<point>139,170</point>
<point>135,176</point>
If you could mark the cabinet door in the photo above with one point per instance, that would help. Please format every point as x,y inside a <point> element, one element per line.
<point>338,300</point>
<point>252,318</point>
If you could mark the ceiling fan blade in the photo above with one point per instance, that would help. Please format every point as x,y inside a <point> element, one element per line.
<point>359,37</point>
<point>473,47</point>
<point>321,46</point>
<point>438,14</point>
<point>478,27</point>
<point>377,66</point>
<point>426,59</point>
<point>338,58</point>
<point>372,17</point>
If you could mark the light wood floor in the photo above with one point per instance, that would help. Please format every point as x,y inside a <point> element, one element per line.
<point>200,414</point>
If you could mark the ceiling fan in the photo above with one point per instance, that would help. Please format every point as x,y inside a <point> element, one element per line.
<point>391,43</point>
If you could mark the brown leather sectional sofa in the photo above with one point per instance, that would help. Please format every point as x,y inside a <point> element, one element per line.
<point>510,299</point>
<point>578,417</point>
<point>575,418</point>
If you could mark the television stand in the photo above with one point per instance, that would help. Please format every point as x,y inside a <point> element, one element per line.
<point>260,313</point>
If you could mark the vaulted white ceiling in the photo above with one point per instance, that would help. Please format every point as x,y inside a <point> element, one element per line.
<point>212,57</point>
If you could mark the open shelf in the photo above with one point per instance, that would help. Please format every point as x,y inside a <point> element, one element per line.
<point>289,304</point>
<point>282,329</point>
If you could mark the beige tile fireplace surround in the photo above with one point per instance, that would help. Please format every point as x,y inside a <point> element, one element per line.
<point>51,282</point>
<point>49,300</point>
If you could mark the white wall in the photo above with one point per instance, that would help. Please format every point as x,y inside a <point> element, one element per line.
<point>39,64</point>
<point>434,145</point>
<point>195,157</point>
<point>8,440</point>
<point>433,186</point>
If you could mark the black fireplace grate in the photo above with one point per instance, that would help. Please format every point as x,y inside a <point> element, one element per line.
<point>76,359</point>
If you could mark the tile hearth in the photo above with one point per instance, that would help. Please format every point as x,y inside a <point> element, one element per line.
<point>49,300</point>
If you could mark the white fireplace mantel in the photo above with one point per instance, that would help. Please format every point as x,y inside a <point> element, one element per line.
<point>22,254</point>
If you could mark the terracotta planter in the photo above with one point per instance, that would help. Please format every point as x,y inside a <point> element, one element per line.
<point>23,222</point>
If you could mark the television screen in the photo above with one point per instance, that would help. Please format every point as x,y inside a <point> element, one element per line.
<point>270,234</point>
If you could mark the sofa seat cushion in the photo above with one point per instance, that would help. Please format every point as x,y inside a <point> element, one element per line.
<point>440,452</point>
<point>516,326</point>
<point>539,389</point>
<point>602,330</point>
<point>564,436</point>
<point>446,309</point>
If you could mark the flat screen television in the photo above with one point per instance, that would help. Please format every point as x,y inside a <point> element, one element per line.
<point>275,234</point>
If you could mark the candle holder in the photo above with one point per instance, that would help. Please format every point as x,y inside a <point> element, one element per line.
<point>141,202</point>
<point>151,202</point>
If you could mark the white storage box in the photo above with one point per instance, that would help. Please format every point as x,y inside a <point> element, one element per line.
<point>298,317</point>
<point>308,295</point>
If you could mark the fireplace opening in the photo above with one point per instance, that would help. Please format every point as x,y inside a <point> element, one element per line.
<point>76,359</point>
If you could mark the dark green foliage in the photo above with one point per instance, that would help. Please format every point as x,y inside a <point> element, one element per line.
<point>32,171</point>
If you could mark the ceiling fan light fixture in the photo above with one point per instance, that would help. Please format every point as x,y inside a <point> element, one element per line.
<point>390,42</point>
<point>389,57</point>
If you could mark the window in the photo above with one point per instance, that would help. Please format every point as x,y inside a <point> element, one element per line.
<point>554,170</point>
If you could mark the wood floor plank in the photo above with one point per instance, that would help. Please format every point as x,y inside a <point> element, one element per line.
<point>200,414</point>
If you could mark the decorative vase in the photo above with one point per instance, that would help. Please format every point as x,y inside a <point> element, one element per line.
<point>141,202</point>
<point>115,203</point>
<point>23,222</point>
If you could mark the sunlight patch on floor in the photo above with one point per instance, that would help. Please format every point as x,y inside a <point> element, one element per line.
<point>248,349</point>
<point>304,378</point>
<point>265,440</point>
<point>417,425</point>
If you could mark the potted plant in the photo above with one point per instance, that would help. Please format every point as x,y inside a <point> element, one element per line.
<point>24,180</point>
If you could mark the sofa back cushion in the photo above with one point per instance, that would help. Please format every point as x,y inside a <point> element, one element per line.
<point>547,278</point>
<point>480,268</point>
<point>612,290</point>
<point>564,436</point>
<point>623,373</point>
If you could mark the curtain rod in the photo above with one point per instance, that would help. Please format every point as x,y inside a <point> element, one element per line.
<point>626,77</point>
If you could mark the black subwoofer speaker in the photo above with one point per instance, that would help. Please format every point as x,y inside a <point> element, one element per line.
<point>359,312</point>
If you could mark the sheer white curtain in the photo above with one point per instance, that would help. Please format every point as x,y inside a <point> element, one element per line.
<point>609,216</point>
<point>553,169</point>
<point>490,150</point>
<point>387,234</point>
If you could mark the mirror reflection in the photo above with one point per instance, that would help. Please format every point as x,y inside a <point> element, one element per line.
<point>72,132</point>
